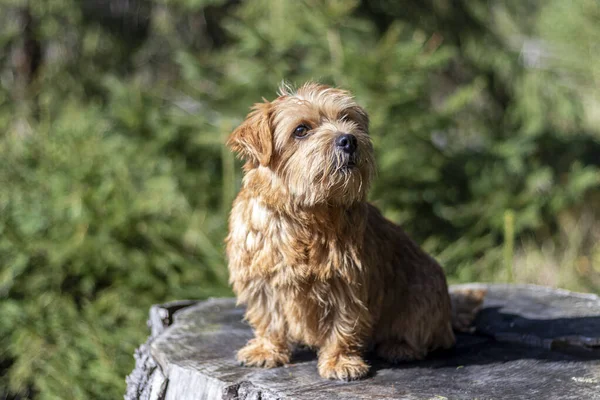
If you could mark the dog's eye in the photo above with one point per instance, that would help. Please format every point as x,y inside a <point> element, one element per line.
<point>301,131</point>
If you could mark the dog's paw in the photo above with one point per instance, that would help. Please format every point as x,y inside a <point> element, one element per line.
<point>262,353</point>
<point>398,351</point>
<point>343,367</point>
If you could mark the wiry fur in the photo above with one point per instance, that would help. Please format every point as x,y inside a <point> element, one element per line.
<point>312,260</point>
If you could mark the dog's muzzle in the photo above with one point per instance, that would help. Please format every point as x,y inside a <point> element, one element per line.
<point>346,143</point>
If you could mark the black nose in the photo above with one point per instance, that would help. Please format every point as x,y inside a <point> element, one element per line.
<point>346,142</point>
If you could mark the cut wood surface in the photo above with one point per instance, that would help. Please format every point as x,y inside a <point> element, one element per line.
<point>530,342</point>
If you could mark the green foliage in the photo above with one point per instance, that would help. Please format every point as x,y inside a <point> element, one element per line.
<point>95,228</point>
<point>116,184</point>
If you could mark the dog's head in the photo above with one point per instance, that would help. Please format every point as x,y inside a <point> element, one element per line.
<point>314,141</point>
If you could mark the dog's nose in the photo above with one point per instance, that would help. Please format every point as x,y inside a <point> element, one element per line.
<point>346,142</point>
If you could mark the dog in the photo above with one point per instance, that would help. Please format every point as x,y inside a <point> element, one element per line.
<point>314,262</point>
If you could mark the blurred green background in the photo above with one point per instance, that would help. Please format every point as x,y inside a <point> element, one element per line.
<point>115,185</point>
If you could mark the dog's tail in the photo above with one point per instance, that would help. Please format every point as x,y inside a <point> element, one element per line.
<point>466,303</point>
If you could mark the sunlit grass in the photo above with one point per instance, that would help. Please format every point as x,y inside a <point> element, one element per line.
<point>570,261</point>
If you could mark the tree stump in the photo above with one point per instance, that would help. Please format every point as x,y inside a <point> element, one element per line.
<point>530,342</point>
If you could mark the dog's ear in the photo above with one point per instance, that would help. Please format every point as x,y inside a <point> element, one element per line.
<point>253,139</point>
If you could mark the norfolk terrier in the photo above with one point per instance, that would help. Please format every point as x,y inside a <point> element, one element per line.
<point>314,262</point>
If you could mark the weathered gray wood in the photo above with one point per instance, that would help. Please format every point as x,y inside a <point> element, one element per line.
<point>146,381</point>
<point>530,342</point>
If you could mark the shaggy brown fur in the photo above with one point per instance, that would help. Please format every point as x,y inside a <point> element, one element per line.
<point>312,260</point>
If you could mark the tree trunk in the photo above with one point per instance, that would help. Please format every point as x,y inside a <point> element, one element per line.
<point>530,342</point>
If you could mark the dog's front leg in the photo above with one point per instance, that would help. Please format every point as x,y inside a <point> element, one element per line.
<point>270,347</point>
<point>341,355</point>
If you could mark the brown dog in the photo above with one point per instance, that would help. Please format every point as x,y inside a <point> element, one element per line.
<point>312,260</point>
